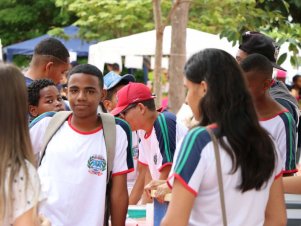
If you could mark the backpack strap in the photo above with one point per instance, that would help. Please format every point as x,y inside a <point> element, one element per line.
<point>55,123</point>
<point>109,131</point>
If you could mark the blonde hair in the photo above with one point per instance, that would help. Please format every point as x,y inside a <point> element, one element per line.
<point>15,144</point>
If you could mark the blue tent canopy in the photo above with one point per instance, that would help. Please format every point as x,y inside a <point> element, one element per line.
<point>73,44</point>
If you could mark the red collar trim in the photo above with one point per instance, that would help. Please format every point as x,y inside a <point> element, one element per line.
<point>274,116</point>
<point>82,132</point>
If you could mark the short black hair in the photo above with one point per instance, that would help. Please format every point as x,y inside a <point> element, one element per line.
<point>87,69</point>
<point>34,90</point>
<point>150,104</point>
<point>52,47</point>
<point>257,62</point>
<point>296,77</point>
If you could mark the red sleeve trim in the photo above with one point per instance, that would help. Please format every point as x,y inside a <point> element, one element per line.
<point>142,163</point>
<point>290,171</point>
<point>123,172</point>
<point>278,175</point>
<point>164,165</point>
<point>179,178</point>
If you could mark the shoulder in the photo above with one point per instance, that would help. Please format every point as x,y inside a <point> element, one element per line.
<point>43,118</point>
<point>197,136</point>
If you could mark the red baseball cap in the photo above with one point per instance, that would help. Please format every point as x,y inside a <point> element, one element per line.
<point>130,94</point>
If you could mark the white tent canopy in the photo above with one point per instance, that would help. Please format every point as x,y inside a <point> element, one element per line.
<point>135,46</point>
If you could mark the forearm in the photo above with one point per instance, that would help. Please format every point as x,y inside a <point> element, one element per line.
<point>119,203</point>
<point>165,172</point>
<point>138,188</point>
<point>136,192</point>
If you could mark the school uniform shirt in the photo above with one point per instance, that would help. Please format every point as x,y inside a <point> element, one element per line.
<point>283,129</point>
<point>195,169</point>
<point>157,148</point>
<point>73,173</point>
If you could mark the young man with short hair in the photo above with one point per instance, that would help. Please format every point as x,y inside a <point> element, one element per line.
<point>43,96</point>
<point>273,117</point>
<point>74,169</point>
<point>159,132</point>
<point>50,60</point>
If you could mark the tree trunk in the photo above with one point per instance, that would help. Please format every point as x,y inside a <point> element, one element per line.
<point>158,52</point>
<point>176,94</point>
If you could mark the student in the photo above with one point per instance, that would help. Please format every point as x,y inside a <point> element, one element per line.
<point>19,181</point>
<point>273,116</point>
<point>73,170</point>
<point>219,99</point>
<point>43,96</point>
<point>136,180</point>
<point>50,60</point>
<point>159,133</point>
<point>255,42</point>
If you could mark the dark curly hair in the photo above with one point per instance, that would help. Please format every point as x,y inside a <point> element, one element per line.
<point>34,90</point>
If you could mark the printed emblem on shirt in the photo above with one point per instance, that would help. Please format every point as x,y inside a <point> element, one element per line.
<point>97,165</point>
<point>135,152</point>
<point>155,159</point>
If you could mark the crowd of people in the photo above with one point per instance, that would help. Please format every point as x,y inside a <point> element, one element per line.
<point>82,160</point>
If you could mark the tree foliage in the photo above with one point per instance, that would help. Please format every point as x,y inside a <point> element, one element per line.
<point>25,19</point>
<point>105,19</point>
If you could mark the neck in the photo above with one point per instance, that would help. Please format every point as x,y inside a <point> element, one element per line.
<point>266,106</point>
<point>85,124</point>
<point>150,121</point>
<point>35,73</point>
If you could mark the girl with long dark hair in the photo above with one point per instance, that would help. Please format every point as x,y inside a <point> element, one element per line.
<point>219,99</point>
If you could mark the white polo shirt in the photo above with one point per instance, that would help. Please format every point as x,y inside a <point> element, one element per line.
<point>73,173</point>
<point>157,149</point>
<point>283,129</point>
<point>195,169</point>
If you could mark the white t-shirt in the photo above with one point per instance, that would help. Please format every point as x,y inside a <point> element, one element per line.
<point>73,173</point>
<point>23,199</point>
<point>157,149</point>
<point>283,129</point>
<point>195,168</point>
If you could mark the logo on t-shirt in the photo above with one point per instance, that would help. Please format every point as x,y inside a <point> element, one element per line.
<point>97,165</point>
<point>155,159</point>
<point>135,152</point>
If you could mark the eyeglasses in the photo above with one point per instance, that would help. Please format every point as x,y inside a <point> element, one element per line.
<point>126,110</point>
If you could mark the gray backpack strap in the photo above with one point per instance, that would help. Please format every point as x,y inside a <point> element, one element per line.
<point>109,130</point>
<point>55,123</point>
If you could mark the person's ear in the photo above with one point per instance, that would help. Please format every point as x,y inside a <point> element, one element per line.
<point>141,108</point>
<point>108,105</point>
<point>103,94</point>
<point>204,86</point>
<point>267,84</point>
<point>48,67</point>
<point>33,110</point>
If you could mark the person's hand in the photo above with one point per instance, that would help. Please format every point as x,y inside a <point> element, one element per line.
<point>161,191</point>
<point>44,221</point>
<point>153,186</point>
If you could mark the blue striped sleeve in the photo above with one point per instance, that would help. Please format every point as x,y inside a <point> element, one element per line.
<point>190,153</point>
<point>165,128</point>
<point>127,129</point>
<point>290,132</point>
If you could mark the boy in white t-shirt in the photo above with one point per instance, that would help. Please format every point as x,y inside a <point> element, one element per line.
<point>112,83</point>
<point>159,132</point>
<point>73,170</point>
<point>273,117</point>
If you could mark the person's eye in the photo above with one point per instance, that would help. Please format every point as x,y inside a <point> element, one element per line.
<point>91,91</point>
<point>49,101</point>
<point>73,91</point>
